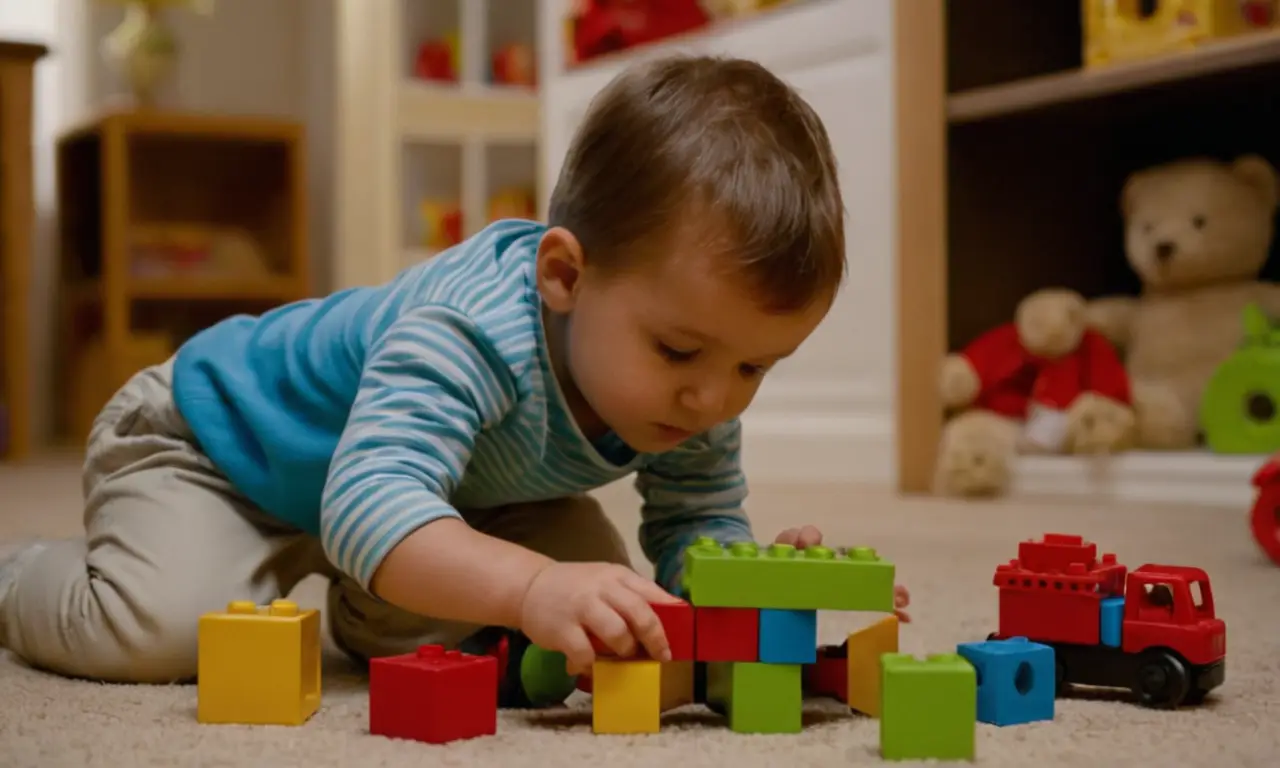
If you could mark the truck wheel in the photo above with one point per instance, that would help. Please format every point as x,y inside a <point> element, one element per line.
<point>1162,680</point>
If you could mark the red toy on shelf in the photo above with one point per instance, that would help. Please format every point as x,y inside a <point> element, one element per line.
<point>1151,630</point>
<point>1265,518</point>
<point>434,695</point>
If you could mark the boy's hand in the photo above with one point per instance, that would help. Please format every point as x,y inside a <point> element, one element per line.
<point>809,536</point>
<point>565,601</point>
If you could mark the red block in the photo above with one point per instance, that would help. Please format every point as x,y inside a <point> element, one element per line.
<point>727,634</point>
<point>677,622</point>
<point>434,695</point>
<point>829,675</point>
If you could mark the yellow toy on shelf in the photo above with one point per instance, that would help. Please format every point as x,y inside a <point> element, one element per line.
<point>1125,30</point>
<point>513,203</point>
<point>259,665</point>
<point>441,222</point>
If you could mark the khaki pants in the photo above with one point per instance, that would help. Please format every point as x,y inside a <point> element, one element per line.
<point>168,538</point>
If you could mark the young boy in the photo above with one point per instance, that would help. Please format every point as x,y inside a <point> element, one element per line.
<point>429,443</point>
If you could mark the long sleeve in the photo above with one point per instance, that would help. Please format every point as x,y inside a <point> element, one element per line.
<point>430,385</point>
<point>695,490</point>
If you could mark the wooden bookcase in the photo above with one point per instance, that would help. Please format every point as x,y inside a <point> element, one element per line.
<point>1012,154</point>
<point>169,222</point>
<point>17,220</point>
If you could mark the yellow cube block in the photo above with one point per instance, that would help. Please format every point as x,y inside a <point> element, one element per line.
<point>626,695</point>
<point>863,663</point>
<point>677,685</point>
<point>259,665</point>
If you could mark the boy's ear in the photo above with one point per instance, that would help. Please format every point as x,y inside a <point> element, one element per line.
<point>560,268</point>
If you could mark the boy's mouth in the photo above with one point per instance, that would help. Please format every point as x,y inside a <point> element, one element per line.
<point>674,433</point>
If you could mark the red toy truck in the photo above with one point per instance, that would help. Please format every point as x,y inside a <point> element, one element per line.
<point>1151,630</point>
<point>1265,518</point>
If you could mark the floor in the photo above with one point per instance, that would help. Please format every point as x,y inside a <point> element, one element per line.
<point>945,552</point>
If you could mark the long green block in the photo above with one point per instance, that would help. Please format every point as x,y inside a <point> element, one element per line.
<point>757,697</point>
<point>929,708</point>
<point>746,575</point>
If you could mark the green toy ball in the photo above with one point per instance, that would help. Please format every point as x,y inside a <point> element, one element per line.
<point>1240,408</point>
<point>544,676</point>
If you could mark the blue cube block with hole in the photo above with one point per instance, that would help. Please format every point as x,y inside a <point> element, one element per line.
<point>1112,620</point>
<point>788,636</point>
<point>1017,680</point>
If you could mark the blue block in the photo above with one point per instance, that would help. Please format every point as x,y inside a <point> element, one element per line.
<point>788,636</point>
<point>1016,680</point>
<point>1112,620</point>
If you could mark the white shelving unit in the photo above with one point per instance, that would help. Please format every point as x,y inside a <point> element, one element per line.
<point>403,139</point>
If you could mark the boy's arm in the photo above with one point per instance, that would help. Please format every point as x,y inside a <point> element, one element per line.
<point>429,386</point>
<point>695,490</point>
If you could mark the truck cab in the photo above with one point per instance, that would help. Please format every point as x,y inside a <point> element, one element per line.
<point>1171,606</point>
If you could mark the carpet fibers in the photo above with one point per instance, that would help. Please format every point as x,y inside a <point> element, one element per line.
<point>945,554</point>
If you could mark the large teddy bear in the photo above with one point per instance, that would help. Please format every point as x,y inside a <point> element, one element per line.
<point>1044,383</point>
<point>1197,232</point>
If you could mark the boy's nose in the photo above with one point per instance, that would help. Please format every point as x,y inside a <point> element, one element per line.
<point>704,399</point>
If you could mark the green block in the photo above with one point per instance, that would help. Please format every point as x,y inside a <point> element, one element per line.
<point>745,575</point>
<point>929,708</point>
<point>756,697</point>
<point>544,676</point>
<point>1240,407</point>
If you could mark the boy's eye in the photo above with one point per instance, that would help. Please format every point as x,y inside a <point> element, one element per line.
<point>676,355</point>
<point>751,371</point>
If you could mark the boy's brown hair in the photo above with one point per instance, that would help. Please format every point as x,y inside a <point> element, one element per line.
<point>678,142</point>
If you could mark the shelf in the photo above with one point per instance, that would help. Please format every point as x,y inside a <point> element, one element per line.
<point>433,179</point>
<point>1030,93</point>
<point>431,112</point>
<point>1194,478</point>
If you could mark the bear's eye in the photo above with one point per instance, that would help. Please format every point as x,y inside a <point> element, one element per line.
<point>1198,222</point>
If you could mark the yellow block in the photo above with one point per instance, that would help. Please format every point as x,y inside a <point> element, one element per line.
<point>677,685</point>
<point>626,695</point>
<point>865,647</point>
<point>259,665</point>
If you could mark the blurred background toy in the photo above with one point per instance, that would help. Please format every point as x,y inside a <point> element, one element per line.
<point>514,64</point>
<point>441,223</point>
<point>437,60</point>
<point>512,203</point>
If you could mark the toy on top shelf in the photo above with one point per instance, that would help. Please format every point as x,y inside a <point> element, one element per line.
<point>433,695</point>
<point>515,64</point>
<point>1264,520</point>
<point>929,707</point>
<point>513,203</point>
<point>437,60</point>
<point>1151,630</point>
<point>1121,31</point>
<point>258,665</point>
<point>442,223</point>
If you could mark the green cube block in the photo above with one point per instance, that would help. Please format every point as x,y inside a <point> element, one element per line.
<point>746,575</point>
<point>756,697</point>
<point>929,708</point>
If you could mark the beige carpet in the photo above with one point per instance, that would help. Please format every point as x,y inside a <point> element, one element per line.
<point>945,553</point>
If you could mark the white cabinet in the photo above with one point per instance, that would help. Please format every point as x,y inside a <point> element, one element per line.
<point>828,413</point>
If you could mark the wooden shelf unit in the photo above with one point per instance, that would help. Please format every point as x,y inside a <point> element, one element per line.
<point>1012,158</point>
<point>17,222</point>
<point>234,180</point>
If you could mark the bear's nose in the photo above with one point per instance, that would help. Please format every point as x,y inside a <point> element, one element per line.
<point>1164,250</point>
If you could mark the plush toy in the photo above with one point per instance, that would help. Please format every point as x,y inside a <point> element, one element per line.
<point>1197,232</point>
<point>1043,383</point>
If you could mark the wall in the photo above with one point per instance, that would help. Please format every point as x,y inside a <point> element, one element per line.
<point>271,58</point>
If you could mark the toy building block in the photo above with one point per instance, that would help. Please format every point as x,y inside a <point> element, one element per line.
<point>626,695</point>
<point>929,709</point>
<point>1110,631</point>
<point>1051,592</point>
<point>727,634</point>
<point>258,665</point>
<point>788,637</point>
<point>677,685</point>
<point>757,697</point>
<point>864,649</point>
<point>677,621</point>
<point>828,676</point>
<point>745,575</point>
<point>433,695</point>
<point>1016,680</point>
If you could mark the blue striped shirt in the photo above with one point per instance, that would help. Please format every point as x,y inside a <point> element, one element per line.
<point>361,416</point>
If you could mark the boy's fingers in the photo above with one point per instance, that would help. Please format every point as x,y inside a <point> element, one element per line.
<point>644,622</point>
<point>577,651</point>
<point>650,590</point>
<point>605,623</point>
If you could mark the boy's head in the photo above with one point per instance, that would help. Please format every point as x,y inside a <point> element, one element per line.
<point>696,238</point>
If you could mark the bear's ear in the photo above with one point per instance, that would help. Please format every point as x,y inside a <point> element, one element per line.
<point>1129,193</point>
<point>1258,175</point>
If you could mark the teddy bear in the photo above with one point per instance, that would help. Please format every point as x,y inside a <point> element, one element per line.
<point>1044,383</point>
<point>1197,232</point>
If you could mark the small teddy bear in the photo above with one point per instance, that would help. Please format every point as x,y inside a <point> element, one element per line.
<point>1044,383</point>
<point>1197,232</point>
